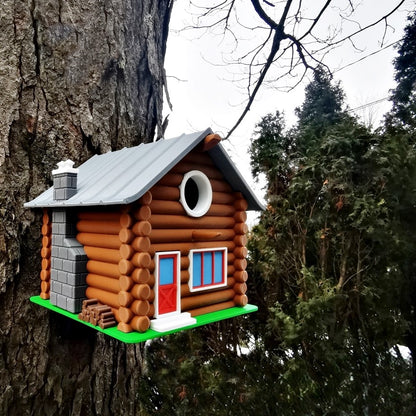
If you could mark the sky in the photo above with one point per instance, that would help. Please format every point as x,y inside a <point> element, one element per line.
<point>206,89</point>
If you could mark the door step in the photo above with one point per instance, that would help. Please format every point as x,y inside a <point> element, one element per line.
<point>172,322</point>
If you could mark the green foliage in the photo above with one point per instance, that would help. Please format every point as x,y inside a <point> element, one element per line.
<point>332,268</point>
<point>327,252</point>
<point>321,109</point>
<point>404,95</point>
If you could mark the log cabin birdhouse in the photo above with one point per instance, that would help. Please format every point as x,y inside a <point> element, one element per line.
<point>147,240</point>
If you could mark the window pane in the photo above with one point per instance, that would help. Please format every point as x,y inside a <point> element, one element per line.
<point>207,268</point>
<point>219,263</point>
<point>166,265</point>
<point>196,269</point>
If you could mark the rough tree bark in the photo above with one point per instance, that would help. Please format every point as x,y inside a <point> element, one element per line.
<point>77,77</point>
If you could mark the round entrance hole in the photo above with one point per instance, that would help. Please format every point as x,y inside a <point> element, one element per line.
<point>195,193</point>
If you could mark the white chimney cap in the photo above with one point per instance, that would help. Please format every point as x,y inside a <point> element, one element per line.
<point>65,166</point>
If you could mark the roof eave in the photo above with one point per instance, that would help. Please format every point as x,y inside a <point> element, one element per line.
<point>234,177</point>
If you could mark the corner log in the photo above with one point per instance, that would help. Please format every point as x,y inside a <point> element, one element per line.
<point>45,273</point>
<point>140,323</point>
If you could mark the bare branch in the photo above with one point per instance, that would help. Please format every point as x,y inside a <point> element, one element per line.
<point>315,21</point>
<point>283,42</point>
<point>165,85</point>
<point>365,27</point>
<point>263,15</point>
<point>279,35</point>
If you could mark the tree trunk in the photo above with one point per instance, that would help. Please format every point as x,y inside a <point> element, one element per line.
<point>77,77</point>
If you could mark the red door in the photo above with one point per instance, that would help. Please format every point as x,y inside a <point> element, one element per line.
<point>167,291</point>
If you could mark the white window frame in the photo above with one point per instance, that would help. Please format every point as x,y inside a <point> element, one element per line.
<point>204,193</point>
<point>191,265</point>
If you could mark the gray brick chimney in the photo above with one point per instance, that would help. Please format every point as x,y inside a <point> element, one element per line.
<point>64,180</point>
<point>68,268</point>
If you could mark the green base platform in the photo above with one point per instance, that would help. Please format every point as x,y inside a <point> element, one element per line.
<point>135,337</point>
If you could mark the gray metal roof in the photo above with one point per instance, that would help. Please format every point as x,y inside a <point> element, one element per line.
<point>123,176</point>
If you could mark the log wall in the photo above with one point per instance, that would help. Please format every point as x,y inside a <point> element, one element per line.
<point>121,245</point>
<point>134,295</point>
<point>45,274</point>
<point>117,245</point>
<point>222,226</point>
<point>98,233</point>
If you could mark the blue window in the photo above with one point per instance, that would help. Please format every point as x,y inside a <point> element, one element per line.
<point>167,270</point>
<point>208,268</point>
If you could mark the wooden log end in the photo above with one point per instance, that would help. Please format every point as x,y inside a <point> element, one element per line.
<point>45,286</point>
<point>240,288</point>
<point>126,251</point>
<point>143,213</point>
<point>93,320</point>
<point>141,291</point>
<point>125,267</point>
<point>240,264</point>
<point>241,204</point>
<point>142,229</point>
<point>141,244</point>
<point>141,260</point>
<point>125,314</point>
<point>140,307</point>
<point>46,229</point>
<point>125,299</point>
<point>123,327</point>
<point>241,276</point>
<point>45,275</point>
<point>146,199</point>
<point>240,300</point>
<point>45,217</point>
<point>210,141</point>
<point>140,323</point>
<point>46,241</point>
<point>46,264</point>
<point>44,295</point>
<point>241,252</point>
<point>141,275</point>
<point>45,252</point>
<point>126,236</point>
<point>107,324</point>
<point>126,283</point>
<point>126,221</point>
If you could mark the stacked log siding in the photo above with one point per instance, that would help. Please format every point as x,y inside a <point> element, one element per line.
<point>134,267</point>
<point>222,226</point>
<point>45,274</point>
<point>240,250</point>
<point>98,233</point>
<point>121,246</point>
